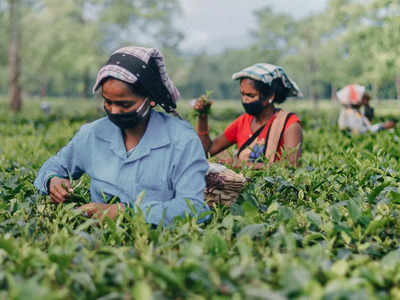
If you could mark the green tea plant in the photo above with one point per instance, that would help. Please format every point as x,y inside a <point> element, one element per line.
<point>326,230</point>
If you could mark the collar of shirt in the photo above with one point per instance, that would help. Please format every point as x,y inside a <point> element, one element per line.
<point>155,136</point>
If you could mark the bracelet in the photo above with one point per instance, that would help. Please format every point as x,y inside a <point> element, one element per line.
<point>203,132</point>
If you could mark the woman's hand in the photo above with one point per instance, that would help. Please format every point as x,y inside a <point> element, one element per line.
<point>202,106</point>
<point>228,160</point>
<point>389,124</point>
<point>99,210</point>
<point>59,189</point>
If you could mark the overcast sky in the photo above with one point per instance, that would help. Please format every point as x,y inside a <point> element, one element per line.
<point>213,25</point>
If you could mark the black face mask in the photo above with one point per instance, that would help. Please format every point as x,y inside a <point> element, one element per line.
<point>253,108</point>
<point>130,119</point>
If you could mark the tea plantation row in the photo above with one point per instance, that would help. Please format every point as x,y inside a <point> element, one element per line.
<point>327,230</point>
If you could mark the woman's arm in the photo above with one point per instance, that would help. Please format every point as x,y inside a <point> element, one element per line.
<point>188,184</point>
<point>293,139</point>
<point>211,147</point>
<point>66,163</point>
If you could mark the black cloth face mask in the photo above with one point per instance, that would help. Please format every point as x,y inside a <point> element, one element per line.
<point>130,119</point>
<point>254,108</point>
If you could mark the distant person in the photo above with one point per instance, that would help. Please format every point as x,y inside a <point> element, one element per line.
<point>263,133</point>
<point>352,119</point>
<point>368,111</point>
<point>45,107</point>
<point>133,149</point>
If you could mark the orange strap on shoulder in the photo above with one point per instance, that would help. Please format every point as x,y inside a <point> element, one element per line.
<point>275,135</point>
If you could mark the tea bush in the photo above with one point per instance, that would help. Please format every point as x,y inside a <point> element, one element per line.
<point>326,230</point>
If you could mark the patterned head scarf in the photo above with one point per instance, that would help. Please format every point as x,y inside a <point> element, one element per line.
<point>351,94</point>
<point>146,65</point>
<point>266,73</point>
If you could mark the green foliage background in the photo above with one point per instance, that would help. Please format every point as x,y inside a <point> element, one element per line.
<point>327,230</point>
<point>63,46</point>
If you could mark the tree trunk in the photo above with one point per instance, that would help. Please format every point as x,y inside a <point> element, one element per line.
<point>333,93</point>
<point>14,62</point>
<point>44,87</point>
<point>313,97</point>
<point>313,69</point>
<point>375,91</point>
<point>86,84</point>
<point>398,85</point>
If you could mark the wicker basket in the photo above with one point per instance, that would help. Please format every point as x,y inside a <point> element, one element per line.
<point>223,185</point>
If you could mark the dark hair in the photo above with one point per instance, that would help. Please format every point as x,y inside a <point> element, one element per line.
<point>366,96</point>
<point>267,90</point>
<point>136,88</point>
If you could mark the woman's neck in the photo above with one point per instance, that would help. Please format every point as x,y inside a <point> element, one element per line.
<point>265,115</point>
<point>132,136</point>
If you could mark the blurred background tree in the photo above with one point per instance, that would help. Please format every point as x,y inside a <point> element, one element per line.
<point>14,56</point>
<point>62,46</point>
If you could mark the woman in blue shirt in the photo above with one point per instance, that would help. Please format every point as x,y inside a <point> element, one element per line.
<point>134,149</point>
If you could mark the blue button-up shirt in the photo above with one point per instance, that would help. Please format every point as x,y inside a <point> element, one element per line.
<point>168,164</point>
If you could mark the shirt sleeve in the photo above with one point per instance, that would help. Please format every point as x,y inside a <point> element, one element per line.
<point>292,119</point>
<point>231,131</point>
<point>357,122</point>
<point>188,184</point>
<point>64,164</point>
<point>377,127</point>
<point>342,121</point>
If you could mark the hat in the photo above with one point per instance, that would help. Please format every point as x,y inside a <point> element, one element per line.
<point>351,94</point>
<point>267,73</point>
<point>145,65</point>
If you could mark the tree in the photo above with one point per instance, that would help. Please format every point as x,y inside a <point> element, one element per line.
<point>386,26</point>
<point>373,55</point>
<point>295,45</point>
<point>4,23</point>
<point>274,33</point>
<point>14,56</point>
<point>350,41</point>
<point>64,45</point>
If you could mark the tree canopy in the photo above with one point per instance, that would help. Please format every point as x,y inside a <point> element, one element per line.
<point>349,42</point>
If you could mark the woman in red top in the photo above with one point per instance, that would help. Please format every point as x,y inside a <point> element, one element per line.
<point>261,86</point>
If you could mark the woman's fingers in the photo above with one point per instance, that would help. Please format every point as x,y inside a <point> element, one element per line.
<point>98,210</point>
<point>89,208</point>
<point>60,189</point>
<point>55,197</point>
<point>67,186</point>
<point>55,194</point>
<point>198,106</point>
<point>94,208</point>
<point>201,105</point>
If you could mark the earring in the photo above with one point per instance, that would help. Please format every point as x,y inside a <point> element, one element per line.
<point>271,100</point>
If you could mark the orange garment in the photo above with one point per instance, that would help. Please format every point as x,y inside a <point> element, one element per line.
<point>239,131</point>
<point>354,96</point>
